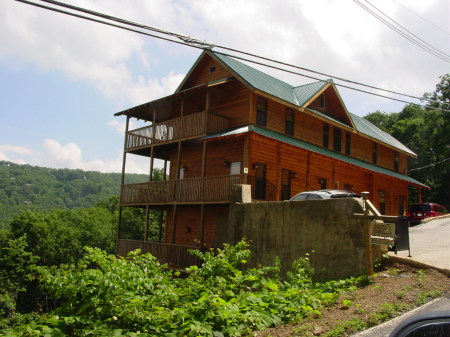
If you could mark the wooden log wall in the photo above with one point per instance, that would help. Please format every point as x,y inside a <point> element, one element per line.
<point>233,100</point>
<point>311,167</point>
<point>188,225</point>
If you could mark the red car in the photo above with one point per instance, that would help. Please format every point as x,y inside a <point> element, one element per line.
<point>418,212</point>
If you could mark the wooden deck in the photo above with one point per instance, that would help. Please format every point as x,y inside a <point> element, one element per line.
<point>182,128</point>
<point>213,190</point>
<point>177,257</point>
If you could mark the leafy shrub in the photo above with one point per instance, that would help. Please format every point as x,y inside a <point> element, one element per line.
<point>107,296</point>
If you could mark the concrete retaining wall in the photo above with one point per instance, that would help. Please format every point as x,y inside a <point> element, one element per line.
<point>335,240</point>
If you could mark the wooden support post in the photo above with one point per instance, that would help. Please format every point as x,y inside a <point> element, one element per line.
<point>147,221</point>
<point>368,221</point>
<point>161,218</point>
<point>174,223</point>
<point>202,224</point>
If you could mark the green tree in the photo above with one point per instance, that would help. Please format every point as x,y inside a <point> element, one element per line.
<point>15,272</point>
<point>426,131</point>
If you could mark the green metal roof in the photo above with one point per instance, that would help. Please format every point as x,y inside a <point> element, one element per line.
<point>305,92</point>
<point>301,95</point>
<point>316,149</point>
<point>364,126</point>
<point>261,81</point>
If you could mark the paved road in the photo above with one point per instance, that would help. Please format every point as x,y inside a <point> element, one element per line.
<point>430,243</point>
<point>383,330</point>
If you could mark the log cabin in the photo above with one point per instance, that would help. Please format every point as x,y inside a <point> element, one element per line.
<point>228,123</point>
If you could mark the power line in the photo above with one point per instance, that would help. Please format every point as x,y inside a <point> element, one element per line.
<point>437,53</point>
<point>196,43</point>
<point>431,23</point>
<point>437,50</point>
<point>434,164</point>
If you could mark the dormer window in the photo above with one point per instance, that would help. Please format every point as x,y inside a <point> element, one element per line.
<point>212,69</point>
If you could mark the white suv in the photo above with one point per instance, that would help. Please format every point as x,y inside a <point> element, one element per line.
<point>325,194</point>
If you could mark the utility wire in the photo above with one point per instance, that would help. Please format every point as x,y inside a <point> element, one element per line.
<point>431,23</point>
<point>395,22</point>
<point>420,45</point>
<point>434,164</point>
<point>196,43</point>
<point>192,41</point>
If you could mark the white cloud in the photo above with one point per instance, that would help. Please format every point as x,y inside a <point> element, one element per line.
<point>57,155</point>
<point>15,149</point>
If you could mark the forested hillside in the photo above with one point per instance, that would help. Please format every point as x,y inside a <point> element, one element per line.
<point>25,187</point>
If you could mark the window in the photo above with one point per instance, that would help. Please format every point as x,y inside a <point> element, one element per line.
<point>382,201</point>
<point>337,143</point>
<point>235,168</point>
<point>396,162</point>
<point>289,124</point>
<point>212,69</point>
<point>322,101</point>
<point>261,111</point>
<point>323,183</point>
<point>326,134</point>
<point>374,153</point>
<point>401,204</point>
<point>348,143</point>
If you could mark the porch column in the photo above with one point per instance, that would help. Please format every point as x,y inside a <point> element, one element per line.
<point>147,218</point>
<point>122,179</point>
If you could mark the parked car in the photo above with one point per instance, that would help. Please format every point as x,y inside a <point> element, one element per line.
<point>429,324</point>
<point>325,194</point>
<point>418,212</point>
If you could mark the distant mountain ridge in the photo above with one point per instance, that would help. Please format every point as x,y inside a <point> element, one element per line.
<point>25,187</point>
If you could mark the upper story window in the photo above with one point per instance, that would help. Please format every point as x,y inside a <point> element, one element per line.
<point>289,123</point>
<point>374,153</point>
<point>326,134</point>
<point>322,101</point>
<point>212,69</point>
<point>396,160</point>
<point>348,143</point>
<point>337,139</point>
<point>261,111</point>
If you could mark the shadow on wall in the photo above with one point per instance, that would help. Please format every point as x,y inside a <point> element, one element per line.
<point>334,239</point>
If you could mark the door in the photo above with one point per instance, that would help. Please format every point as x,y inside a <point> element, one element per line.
<point>286,185</point>
<point>260,184</point>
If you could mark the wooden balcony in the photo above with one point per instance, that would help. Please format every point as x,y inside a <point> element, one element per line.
<point>182,128</point>
<point>177,257</point>
<point>212,190</point>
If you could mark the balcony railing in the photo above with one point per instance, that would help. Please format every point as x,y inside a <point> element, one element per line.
<point>194,190</point>
<point>182,128</point>
<point>175,256</point>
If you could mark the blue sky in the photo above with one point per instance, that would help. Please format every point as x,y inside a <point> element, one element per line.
<point>62,78</point>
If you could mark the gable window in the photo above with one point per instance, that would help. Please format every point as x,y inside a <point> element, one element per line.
<point>212,69</point>
<point>261,111</point>
<point>322,101</point>
<point>374,153</point>
<point>396,162</point>
<point>348,143</point>
<point>326,134</point>
<point>289,123</point>
<point>337,136</point>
